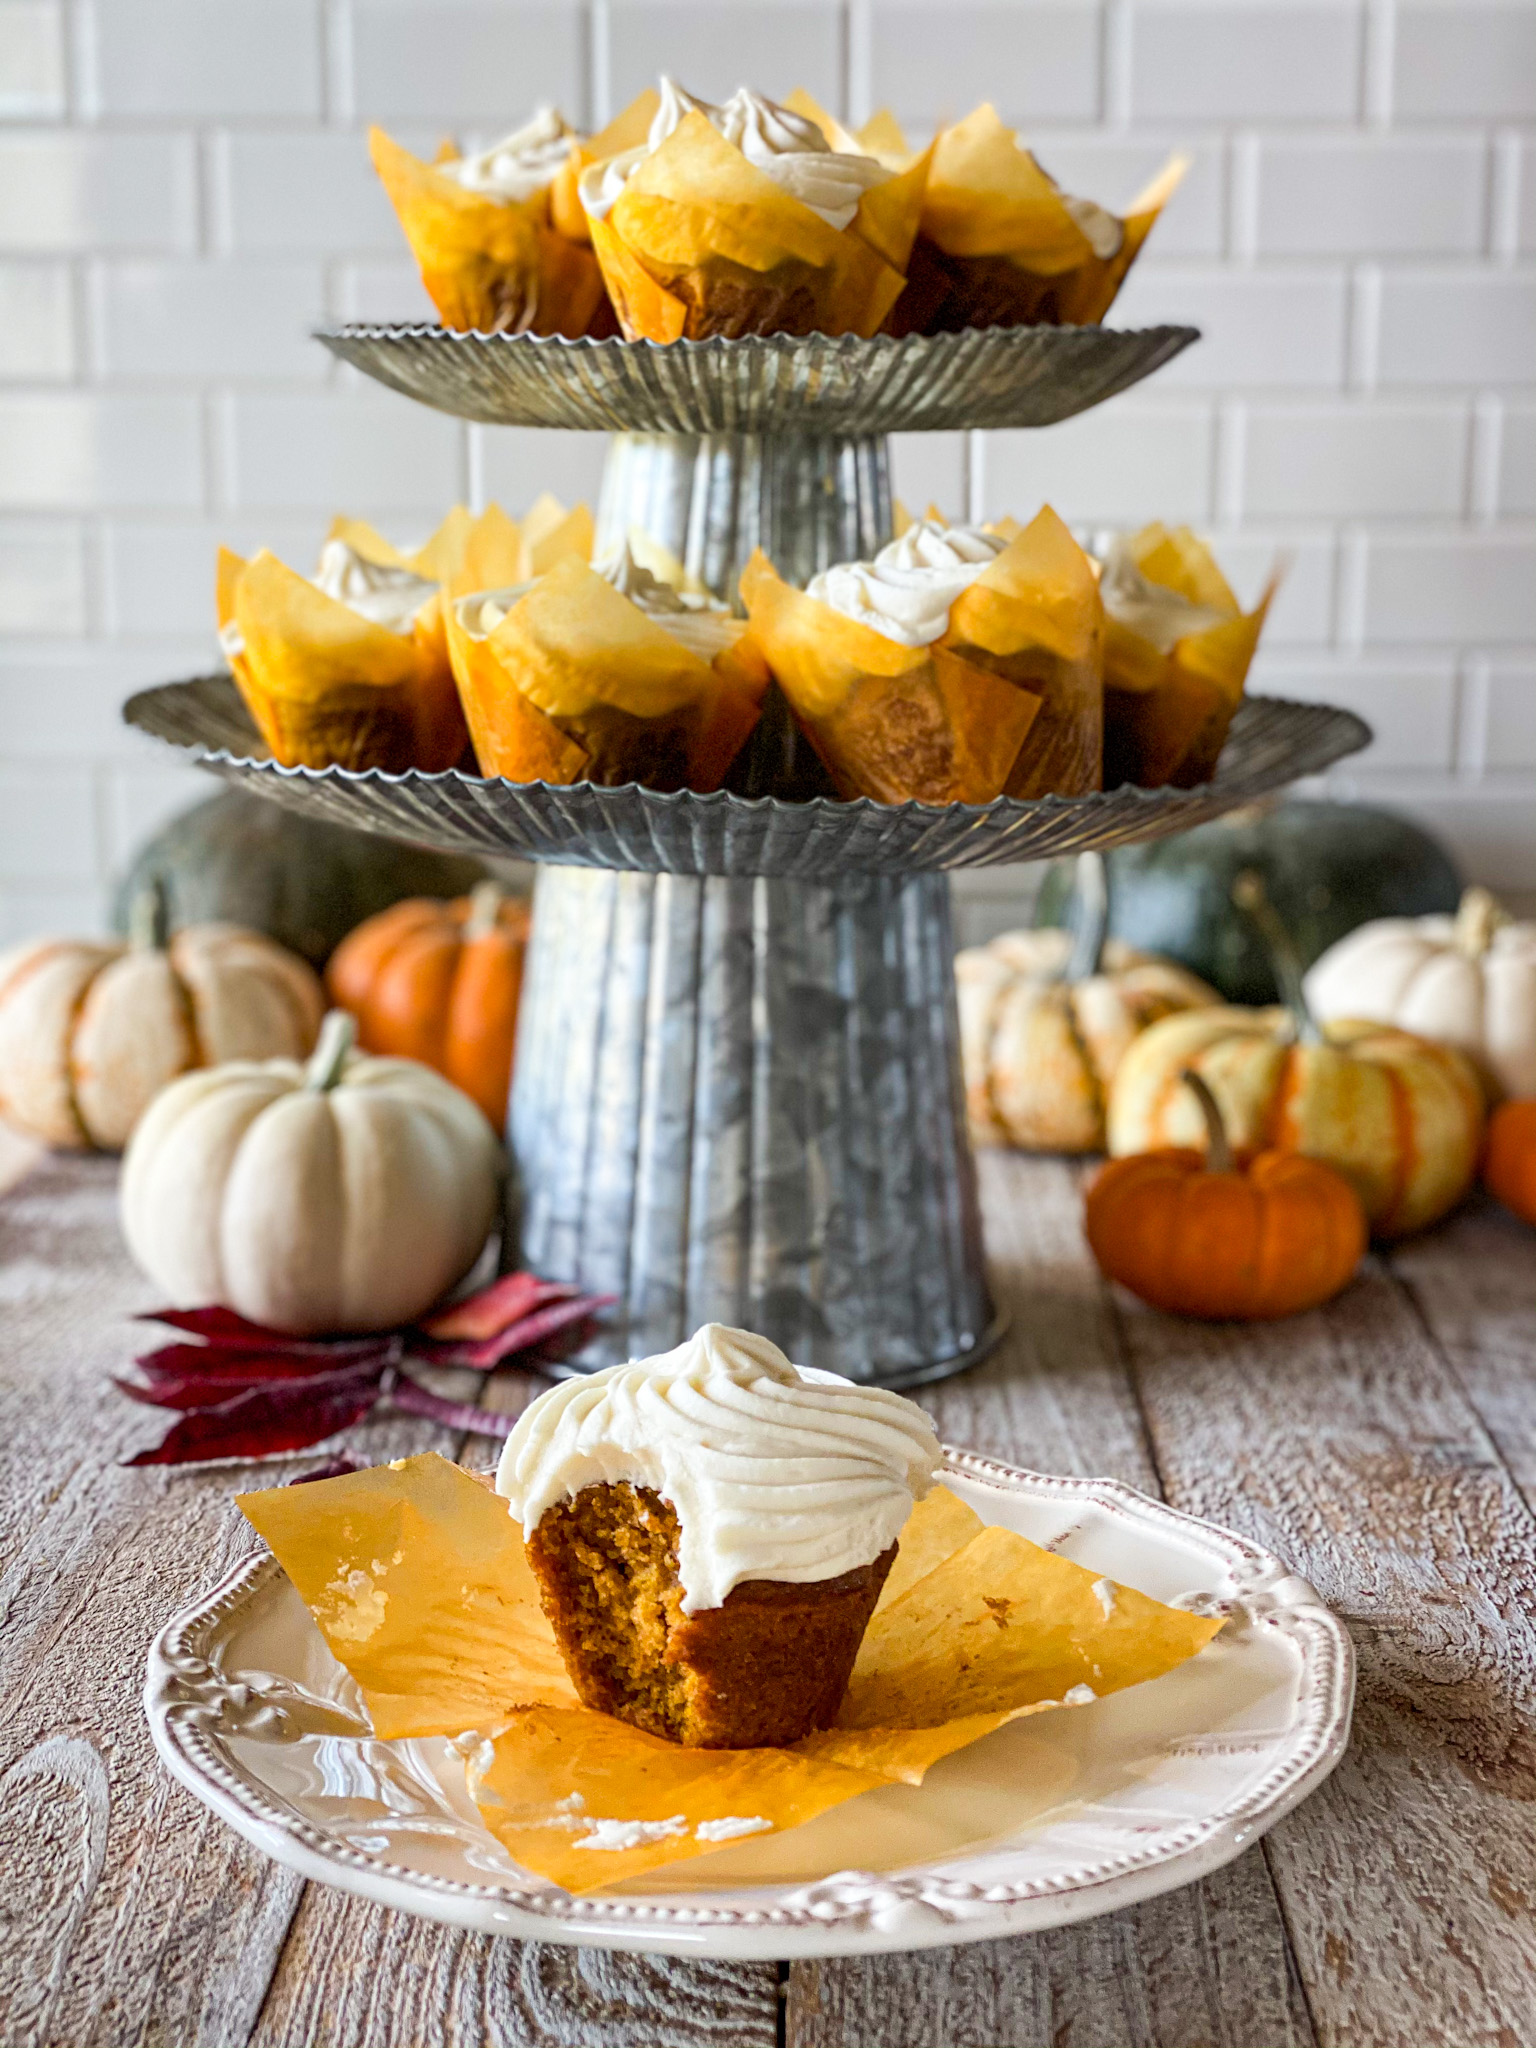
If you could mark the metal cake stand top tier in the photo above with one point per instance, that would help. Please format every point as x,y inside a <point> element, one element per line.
<point>1270,744</point>
<point>805,385</point>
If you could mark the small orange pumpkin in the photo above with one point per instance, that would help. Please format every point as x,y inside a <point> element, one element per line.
<point>439,983</point>
<point>1509,1164</point>
<point>1191,1233</point>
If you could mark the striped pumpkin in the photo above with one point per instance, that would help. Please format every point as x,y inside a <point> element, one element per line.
<point>1400,1118</point>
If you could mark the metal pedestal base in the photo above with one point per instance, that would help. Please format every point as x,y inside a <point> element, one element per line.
<point>738,1100</point>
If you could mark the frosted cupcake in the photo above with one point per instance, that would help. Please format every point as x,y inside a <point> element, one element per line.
<point>958,664</point>
<point>711,1529</point>
<point>743,219</point>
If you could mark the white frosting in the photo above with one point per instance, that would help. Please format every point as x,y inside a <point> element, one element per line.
<point>521,164</point>
<point>907,590</point>
<point>784,146</point>
<point>1151,610</point>
<point>776,1472</point>
<point>389,597</point>
<point>1104,230</point>
<point>700,624</point>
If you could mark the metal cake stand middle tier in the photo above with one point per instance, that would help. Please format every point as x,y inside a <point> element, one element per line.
<point>737,1094</point>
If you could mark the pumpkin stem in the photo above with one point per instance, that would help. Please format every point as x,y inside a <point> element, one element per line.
<point>484,910</point>
<point>1478,916</point>
<point>337,1033</point>
<point>1087,917</point>
<point>1218,1152</point>
<point>149,917</point>
<point>1250,895</point>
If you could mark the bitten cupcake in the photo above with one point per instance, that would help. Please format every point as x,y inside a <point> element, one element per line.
<point>960,664</point>
<point>742,219</point>
<point>710,1531</point>
<point>498,236</point>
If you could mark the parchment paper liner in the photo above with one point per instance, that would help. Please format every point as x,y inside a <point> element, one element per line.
<point>1166,715</point>
<point>416,1576</point>
<point>1007,701</point>
<point>998,246</point>
<point>701,242</point>
<point>577,684</point>
<point>325,685</point>
<point>491,264</point>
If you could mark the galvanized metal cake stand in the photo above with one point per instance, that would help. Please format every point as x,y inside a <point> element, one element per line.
<point>737,1093</point>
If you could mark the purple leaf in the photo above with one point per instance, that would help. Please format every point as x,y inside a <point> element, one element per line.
<point>266,1420</point>
<point>333,1468</point>
<point>495,1308</point>
<point>414,1399</point>
<point>523,1336</point>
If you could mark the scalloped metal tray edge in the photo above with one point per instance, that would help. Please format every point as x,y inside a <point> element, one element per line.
<point>1272,743</point>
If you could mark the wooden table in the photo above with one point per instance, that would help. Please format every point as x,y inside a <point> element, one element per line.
<point>1386,1446</point>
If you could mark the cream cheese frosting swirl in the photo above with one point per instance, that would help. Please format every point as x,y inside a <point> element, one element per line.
<point>704,627</point>
<point>521,164</point>
<point>775,1471</point>
<point>388,596</point>
<point>907,590</point>
<point>785,146</point>
<point>1151,610</point>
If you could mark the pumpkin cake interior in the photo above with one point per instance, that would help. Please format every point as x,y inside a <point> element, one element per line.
<point>765,1667</point>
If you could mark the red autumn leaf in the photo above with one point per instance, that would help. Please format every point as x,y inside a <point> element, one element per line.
<point>533,1330</point>
<point>223,1329</point>
<point>495,1308</point>
<point>414,1399</point>
<point>267,1420</point>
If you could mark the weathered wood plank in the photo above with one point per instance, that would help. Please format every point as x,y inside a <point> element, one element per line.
<point>1207,1967</point>
<point>1343,1441</point>
<point>1473,1282</point>
<point>354,1975</point>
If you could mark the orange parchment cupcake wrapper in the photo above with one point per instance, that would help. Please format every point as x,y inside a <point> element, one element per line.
<point>416,1576</point>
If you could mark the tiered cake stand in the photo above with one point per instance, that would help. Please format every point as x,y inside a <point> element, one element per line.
<point>737,1093</point>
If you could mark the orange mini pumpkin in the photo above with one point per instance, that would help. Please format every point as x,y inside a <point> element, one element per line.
<point>439,983</point>
<point>1509,1164</point>
<point>1191,1233</point>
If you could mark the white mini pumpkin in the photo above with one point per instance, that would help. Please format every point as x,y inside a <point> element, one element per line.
<point>1467,981</point>
<point>346,1195</point>
<point>90,1030</point>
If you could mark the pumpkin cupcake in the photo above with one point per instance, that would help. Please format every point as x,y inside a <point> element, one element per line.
<point>1177,649</point>
<point>1002,245</point>
<point>498,236</point>
<point>711,1530</point>
<point>348,667</point>
<point>611,676</point>
<point>960,664</point>
<point>743,219</point>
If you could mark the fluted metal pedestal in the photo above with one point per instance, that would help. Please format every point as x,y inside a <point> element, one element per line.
<point>713,498</point>
<point>739,1100</point>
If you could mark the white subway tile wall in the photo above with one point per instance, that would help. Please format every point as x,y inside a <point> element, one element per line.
<point>184,191</point>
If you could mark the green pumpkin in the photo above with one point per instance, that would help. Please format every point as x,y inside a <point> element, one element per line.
<point>302,881</point>
<point>1326,868</point>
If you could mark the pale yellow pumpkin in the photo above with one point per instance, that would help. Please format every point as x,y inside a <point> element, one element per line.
<point>346,1195</point>
<point>1040,1050</point>
<point>1401,1118</point>
<point>90,1030</point>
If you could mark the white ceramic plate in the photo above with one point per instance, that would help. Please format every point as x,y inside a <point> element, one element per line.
<point>1053,1819</point>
